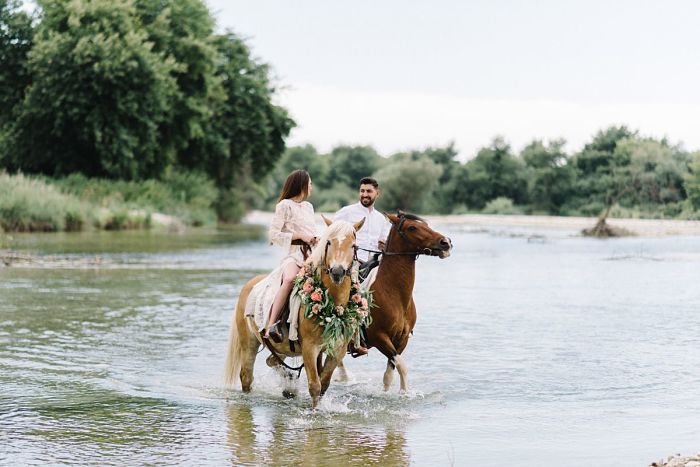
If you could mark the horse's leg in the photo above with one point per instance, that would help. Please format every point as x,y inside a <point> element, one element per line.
<point>247,365</point>
<point>388,374</point>
<point>384,345</point>
<point>249,349</point>
<point>402,368</point>
<point>329,367</point>
<point>342,372</point>
<point>311,352</point>
<point>242,345</point>
<point>290,389</point>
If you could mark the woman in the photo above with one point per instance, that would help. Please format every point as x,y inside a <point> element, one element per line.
<point>293,220</point>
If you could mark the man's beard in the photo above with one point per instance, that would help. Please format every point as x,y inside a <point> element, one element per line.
<point>367,202</point>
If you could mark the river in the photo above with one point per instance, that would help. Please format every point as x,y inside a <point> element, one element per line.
<point>532,348</point>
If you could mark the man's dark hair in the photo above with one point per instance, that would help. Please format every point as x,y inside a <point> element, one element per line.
<point>369,181</point>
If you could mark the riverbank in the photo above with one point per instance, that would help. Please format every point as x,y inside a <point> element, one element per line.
<point>640,227</point>
<point>678,461</point>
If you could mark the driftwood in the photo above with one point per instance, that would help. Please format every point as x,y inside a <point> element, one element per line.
<point>603,230</point>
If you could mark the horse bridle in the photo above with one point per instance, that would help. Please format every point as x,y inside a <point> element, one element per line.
<point>348,271</point>
<point>399,229</point>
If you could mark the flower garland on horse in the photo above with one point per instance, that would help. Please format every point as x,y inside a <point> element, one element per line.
<point>339,322</point>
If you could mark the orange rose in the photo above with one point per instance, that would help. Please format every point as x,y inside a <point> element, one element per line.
<point>316,296</point>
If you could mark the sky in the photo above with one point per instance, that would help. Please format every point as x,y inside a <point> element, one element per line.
<point>404,74</point>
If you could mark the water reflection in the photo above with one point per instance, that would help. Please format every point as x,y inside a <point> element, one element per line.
<point>279,436</point>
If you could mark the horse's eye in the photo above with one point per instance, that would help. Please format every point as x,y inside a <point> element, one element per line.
<point>412,228</point>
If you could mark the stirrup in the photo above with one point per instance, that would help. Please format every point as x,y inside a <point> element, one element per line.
<point>357,351</point>
<point>274,334</point>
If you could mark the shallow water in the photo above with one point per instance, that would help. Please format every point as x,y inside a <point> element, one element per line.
<point>532,348</point>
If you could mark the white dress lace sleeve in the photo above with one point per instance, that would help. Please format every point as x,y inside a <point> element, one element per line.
<point>277,233</point>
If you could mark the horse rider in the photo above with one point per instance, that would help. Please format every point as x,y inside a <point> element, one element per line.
<point>372,237</point>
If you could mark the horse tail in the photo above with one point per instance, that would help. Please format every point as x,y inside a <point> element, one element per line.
<point>233,354</point>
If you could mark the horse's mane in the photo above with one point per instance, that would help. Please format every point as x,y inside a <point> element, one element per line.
<point>410,216</point>
<point>336,229</point>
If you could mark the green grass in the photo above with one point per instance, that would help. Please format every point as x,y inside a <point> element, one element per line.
<point>30,205</point>
<point>42,204</point>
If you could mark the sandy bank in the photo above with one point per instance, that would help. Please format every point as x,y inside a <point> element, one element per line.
<point>678,461</point>
<point>641,227</point>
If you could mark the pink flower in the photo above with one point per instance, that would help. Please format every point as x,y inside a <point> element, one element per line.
<point>357,298</point>
<point>316,296</point>
<point>315,308</point>
<point>308,286</point>
<point>339,310</point>
<point>362,313</point>
<point>364,303</point>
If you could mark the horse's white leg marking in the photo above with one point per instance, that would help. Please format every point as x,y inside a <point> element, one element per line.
<point>342,373</point>
<point>388,376</point>
<point>402,368</point>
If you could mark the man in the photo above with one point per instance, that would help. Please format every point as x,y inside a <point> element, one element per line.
<point>372,236</point>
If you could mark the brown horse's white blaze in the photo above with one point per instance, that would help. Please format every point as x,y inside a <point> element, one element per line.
<point>394,312</point>
<point>332,257</point>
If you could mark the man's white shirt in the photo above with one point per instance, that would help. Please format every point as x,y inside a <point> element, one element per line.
<point>375,228</point>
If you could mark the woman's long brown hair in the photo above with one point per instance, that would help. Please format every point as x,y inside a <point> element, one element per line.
<point>297,183</point>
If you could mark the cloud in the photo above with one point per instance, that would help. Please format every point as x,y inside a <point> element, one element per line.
<point>391,122</point>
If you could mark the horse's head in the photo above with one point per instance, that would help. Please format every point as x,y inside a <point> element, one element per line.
<point>335,251</point>
<point>411,234</point>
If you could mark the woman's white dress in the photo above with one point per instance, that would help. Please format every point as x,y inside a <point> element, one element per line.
<point>289,217</point>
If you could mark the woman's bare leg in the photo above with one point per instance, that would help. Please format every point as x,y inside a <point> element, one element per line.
<point>290,271</point>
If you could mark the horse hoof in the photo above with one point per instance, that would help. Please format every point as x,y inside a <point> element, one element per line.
<point>289,394</point>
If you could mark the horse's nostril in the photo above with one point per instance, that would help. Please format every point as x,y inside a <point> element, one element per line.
<point>337,272</point>
<point>445,242</point>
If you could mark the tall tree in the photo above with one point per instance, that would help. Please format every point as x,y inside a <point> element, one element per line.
<point>349,164</point>
<point>99,95</point>
<point>406,183</point>
<point>182,30</point>
<point>550,175</point>
<point>16,34</point>
<point>493,173</point>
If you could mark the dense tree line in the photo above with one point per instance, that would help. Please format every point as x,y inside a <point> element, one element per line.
<point>143,89</point>
<point>132,89</point>
<point>618,169</point>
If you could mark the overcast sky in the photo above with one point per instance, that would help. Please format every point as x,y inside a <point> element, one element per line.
<point>401,74</point>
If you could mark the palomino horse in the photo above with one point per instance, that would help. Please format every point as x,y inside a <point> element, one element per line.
<point>333,259</point>
<point>394,312</point>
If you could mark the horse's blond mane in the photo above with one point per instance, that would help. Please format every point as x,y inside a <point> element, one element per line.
<point>337,229</point>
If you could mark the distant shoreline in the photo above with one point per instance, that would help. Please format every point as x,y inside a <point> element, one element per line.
<point>640,227</point>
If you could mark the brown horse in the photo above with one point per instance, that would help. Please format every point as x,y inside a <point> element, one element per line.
<point>332,258</point>
<point>394,313</point>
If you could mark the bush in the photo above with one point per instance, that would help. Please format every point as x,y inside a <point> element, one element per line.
<point>501,205</point>
<point>189,196</point>
<point>30,205</point>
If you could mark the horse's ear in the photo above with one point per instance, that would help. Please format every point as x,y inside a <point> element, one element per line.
<point>326,220</point>
<point>392,218</point>
<point>359,225</point>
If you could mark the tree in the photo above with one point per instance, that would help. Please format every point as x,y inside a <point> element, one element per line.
<point>16,34</point>
<point>550,176</point>
<point>656,171</point>
<point>406,183</point>
<point>182,30</point>
<point>248,129</point>
<point>442,197</point>
<point>98,97</point>
<point>349,164</point>
<point>493,173</point>
<point>692,181</point>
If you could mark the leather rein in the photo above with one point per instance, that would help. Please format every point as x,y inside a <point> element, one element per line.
<point>419,250</point>
<point>306,250</point>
